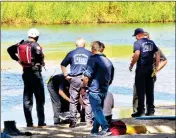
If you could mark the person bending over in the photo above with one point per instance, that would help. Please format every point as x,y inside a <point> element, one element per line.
<point>58,88</point>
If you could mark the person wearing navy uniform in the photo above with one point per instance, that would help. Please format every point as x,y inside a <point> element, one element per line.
<point>32,78</point>
<point>144,51</point>
<point>163,62</point>
<point>58,88</point>
<point>97,77</point>
<point>78,62</point>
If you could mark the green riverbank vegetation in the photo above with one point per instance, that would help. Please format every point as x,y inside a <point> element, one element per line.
<point>86,12</point>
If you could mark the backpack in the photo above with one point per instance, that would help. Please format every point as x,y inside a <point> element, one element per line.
<point>25,55</point>
<point>118,127</point>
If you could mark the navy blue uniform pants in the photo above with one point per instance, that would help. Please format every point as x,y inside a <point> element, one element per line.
<point>33,84</point>
<point>144,86</point>
<point>135,99</point>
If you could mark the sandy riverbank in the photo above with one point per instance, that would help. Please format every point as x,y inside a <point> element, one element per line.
<point>155,129</point>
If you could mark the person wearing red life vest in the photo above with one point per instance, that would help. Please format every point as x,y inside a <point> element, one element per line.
<point>30,56</point>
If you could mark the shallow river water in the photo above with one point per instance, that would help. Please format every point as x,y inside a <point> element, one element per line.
<point>110,34</point>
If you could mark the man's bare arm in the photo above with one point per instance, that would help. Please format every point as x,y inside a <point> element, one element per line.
<point>134,59</point>
<point>85,81</point>
<point>64,70</point>
<point>61,93</point>
<point>157,58</point>
<point>162,64</point>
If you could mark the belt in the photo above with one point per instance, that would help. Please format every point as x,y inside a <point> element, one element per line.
<point>75,75</point>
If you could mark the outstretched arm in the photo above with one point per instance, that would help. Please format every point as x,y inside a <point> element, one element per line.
<point>61,93</point>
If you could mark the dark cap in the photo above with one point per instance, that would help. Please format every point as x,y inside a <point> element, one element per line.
<point>138,31</point>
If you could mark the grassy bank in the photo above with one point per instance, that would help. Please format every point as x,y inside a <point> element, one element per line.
<point>86,12</point>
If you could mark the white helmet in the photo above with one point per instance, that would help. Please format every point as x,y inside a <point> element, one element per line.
<point>33,32</point>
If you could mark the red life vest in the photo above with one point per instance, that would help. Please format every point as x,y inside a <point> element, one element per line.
<point>25,55</point>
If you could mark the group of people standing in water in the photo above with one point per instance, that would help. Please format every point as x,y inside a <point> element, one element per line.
<point>84,89</point>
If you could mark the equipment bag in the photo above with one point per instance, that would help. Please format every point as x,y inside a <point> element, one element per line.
<point>136,129</point>
<point>24,54</point>
<point>118,127</point>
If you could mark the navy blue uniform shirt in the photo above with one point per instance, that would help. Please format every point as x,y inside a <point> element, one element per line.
<point>77,59</point>
<point>60,82</point>
<point>147,49</point>
<point>100,72</point>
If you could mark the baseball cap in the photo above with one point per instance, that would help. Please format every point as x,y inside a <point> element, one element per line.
<point>137,31</point>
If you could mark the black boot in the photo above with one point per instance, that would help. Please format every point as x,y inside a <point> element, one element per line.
<point>149,114</point>
<point>138,114</point>
<point>8,129</point>
<point>14,128</point>
<point>11,129</point>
